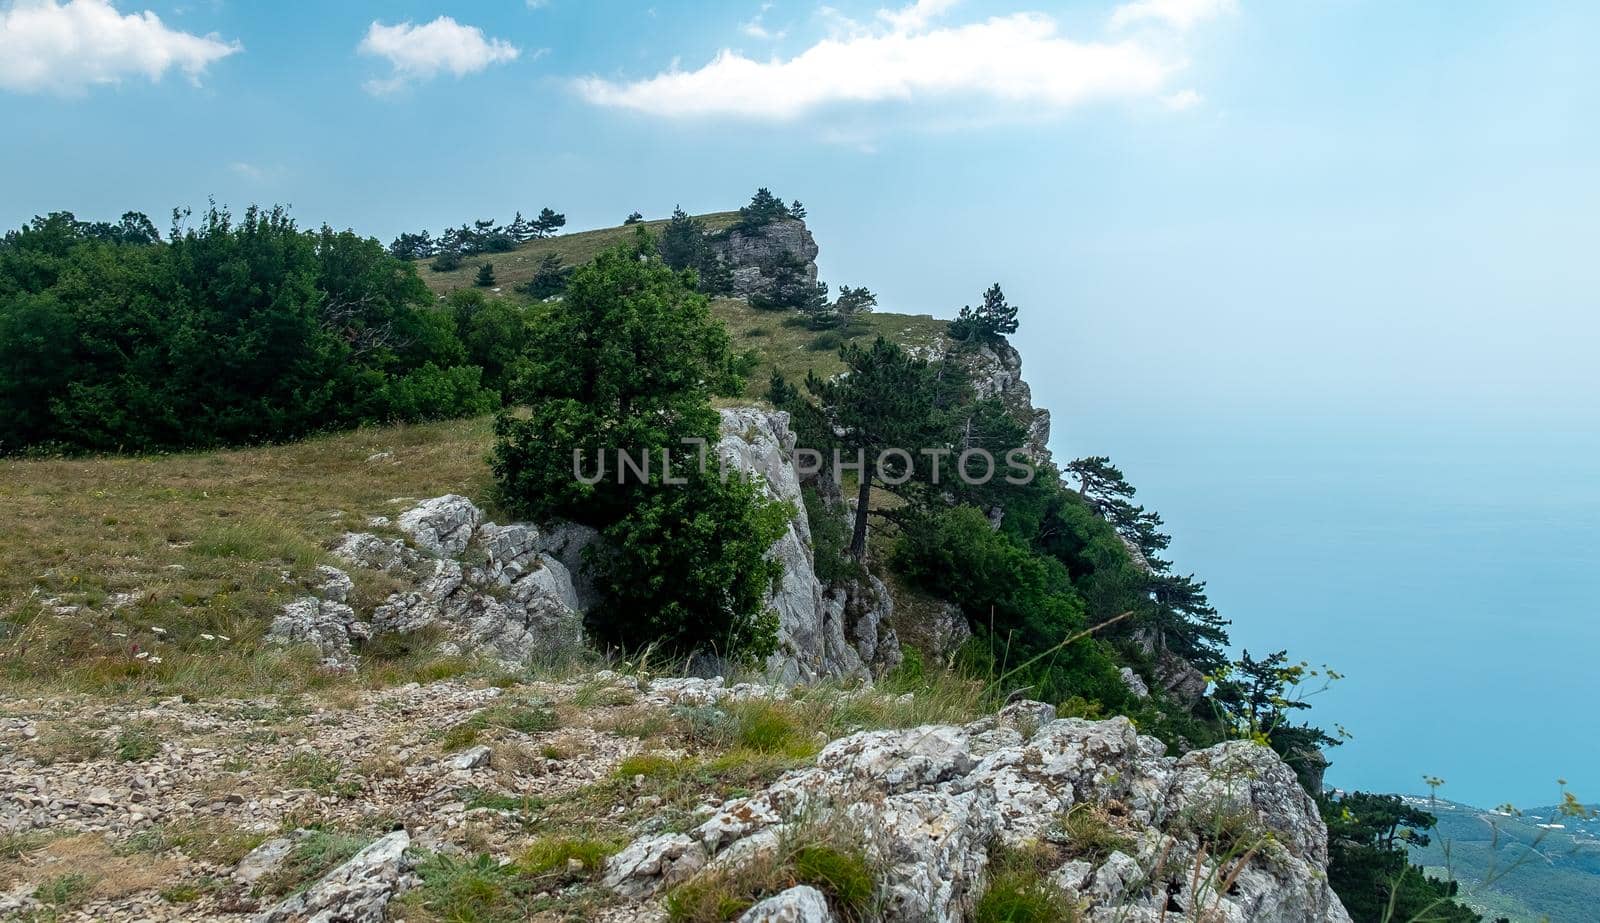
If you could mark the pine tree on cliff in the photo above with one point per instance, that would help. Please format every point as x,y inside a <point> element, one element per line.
<point>885,401</point>
<point>991,320</point>
<point>764,208</point>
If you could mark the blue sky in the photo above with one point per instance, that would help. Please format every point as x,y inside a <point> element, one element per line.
<point>1319,274</point>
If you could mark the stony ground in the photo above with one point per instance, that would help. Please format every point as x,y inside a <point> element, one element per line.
<point>142,811</point>
<point>610,797</point>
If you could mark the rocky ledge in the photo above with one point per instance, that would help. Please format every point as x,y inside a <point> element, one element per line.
<point>1224,834</point>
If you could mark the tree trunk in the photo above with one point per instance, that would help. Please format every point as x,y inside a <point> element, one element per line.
<point>858,536</point>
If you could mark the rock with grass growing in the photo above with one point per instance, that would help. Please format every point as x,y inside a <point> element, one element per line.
<point>329,626</point>
<point>1108,822</point>
<point>653,864</point>
<point>358,891</point>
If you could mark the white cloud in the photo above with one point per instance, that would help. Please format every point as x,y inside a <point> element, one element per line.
<point>1183,99</point>
<point>1017,59</point>
<point>423,52</point>
<point>917,15</point>
<point>1179,14</point>
<point>755,28</point>
<point>66,48</point>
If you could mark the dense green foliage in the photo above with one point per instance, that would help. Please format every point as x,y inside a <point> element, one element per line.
<point>764,209</point>
<point>684,245</point>
<point>228,332</point>
<point>626,362</point>
<point>687,569</point>
<point>990,320</point>
<point>1370,870</point>
<point>620,371</point>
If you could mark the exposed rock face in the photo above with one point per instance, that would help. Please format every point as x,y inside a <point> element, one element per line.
<point>356,892</point>
<point>800,904</point>
<point>653,864</point>
<point>502,589</point>
<point>822,631</point>
<point>996,371</point>
<point>752,257</point>
<point>324,621</point>
<point>1225,833</point>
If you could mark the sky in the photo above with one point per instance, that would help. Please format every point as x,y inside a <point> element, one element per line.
<point>1319,275</point>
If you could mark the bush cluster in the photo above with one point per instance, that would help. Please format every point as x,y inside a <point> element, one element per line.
<point>230,331</point>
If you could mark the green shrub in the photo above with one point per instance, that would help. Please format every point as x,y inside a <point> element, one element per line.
<point>1019,889</point>
<point>433,393</point>
<point>830,536</point>
<point>555,854</point>
<point>138,742</point>
<point>446,261</point>
<point>687,569</point>
<point>1022,605</point>
<point>64,891</point>
<point>827,341</point>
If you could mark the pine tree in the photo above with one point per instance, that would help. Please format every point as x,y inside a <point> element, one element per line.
<point>885,400</point>
<point>548,223</point>
<point>796,210</point>
<point>764,208</point>
<point>683,242</point>
<point>550,279</point>
<point>989,321</point>
<point>633,218</point>
<point>519,230</point>
<point>485,278</point>
<point>854,302</point>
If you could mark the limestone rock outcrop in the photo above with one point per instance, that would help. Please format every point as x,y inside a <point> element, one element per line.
<point>502,590</point>
<point>1225,833</point>
<point>753,257</point>
<point>356,892</point>
<point>823,631</point>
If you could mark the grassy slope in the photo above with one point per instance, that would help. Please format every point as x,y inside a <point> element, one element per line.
<point>202,543</point>
<point>792,350</point>
<point>215,542</point>
<point>518,266</point>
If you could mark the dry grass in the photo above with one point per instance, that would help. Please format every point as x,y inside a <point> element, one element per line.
<point>786,347</point>
<point>85,867</point>
<point>516,267</point>
<point>110,557</point>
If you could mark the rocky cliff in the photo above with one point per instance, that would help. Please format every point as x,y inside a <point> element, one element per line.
<point>754,257</point>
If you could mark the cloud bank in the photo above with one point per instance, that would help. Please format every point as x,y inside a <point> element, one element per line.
<point>905,55</point>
